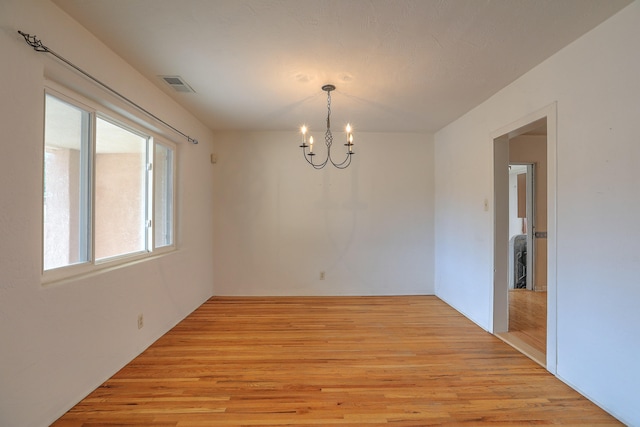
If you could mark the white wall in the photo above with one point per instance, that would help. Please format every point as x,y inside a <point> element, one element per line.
<point>279,222</point>
<point>59,342</point>
<point>595,83</point>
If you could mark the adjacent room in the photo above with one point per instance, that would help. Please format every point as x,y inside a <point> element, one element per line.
<point>283,212</point>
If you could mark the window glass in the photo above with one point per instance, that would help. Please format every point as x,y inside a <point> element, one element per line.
<point>163,194</point>
<point>120,186</point>
<point>108,190</point>
<point>66,193</point>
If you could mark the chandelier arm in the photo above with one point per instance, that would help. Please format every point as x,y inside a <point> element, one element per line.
<point>307,156</point>
<point>346,162</point>
<point>329,142</point>
<point>318,165</point>
<point>304,155</point>
<point>343,165</point>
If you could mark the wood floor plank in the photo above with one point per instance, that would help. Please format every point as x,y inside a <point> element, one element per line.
<point>528,317</point>
<point>304,361</point>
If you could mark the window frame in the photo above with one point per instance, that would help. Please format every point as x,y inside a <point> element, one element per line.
<point>140,126</point>
<point>171,211</point>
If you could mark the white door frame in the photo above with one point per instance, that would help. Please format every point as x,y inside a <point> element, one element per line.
<point>531,224</point>
<point>500,306</point>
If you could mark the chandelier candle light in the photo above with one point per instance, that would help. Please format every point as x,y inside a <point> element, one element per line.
<point>328,139</point>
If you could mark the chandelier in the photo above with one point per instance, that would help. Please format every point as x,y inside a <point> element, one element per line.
<point>328,140</point>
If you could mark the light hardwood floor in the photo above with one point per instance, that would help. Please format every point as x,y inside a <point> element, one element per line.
<point>527,324</point>
<point>528,317</point>
<point>359,361</point>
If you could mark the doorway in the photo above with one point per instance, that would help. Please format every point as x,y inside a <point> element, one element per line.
<point>522,223</point>
<point>527,295</point>
<point>524,236</point>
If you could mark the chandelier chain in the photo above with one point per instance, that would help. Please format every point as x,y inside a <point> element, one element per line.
<point>328,109</point>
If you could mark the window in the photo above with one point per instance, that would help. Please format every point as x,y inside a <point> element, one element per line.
<point>108,188</point>
<point>66,189</point>
<point>120,183</point>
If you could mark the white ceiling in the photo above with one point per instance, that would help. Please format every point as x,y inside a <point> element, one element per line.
<point>401,65</point>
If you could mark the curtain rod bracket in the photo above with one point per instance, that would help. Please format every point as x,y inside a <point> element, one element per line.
<point>37,45</point>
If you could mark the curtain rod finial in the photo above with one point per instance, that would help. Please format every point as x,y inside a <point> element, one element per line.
<point>34,42</point>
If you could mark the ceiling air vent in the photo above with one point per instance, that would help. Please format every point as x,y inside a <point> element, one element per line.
<point>177,84</point>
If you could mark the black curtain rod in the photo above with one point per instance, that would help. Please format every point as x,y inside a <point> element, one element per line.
<point>39,47</point>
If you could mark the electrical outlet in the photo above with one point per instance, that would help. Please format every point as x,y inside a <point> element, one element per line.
<point>322,275</point>
<point>140,321</point>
